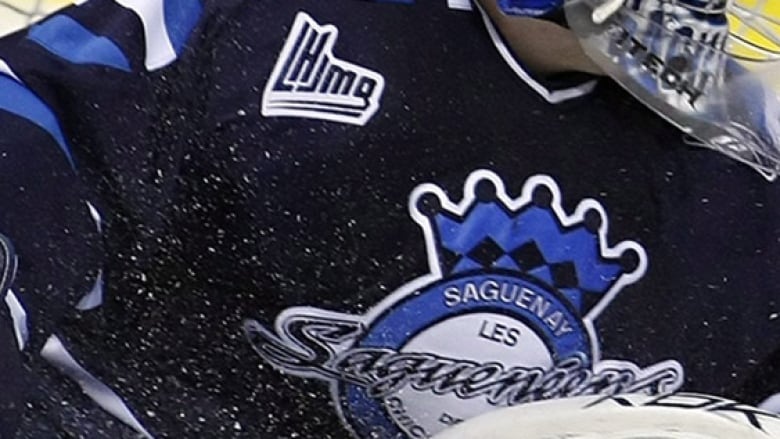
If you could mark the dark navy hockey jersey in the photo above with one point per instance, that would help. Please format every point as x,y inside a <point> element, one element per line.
<point>51,259</point>
<point>366,218</point>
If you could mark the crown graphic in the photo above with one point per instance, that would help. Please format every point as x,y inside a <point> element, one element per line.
<point>489,231</point>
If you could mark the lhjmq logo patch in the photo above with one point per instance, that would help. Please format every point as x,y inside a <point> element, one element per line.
<point>308,81</point>
<point>505,316</point>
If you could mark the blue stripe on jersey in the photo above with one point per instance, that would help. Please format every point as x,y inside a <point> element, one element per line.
<point>17,99</point>
<point>529,8</point>
<point>181,16</point>
<point>115,22</point>
<point>65,37</point>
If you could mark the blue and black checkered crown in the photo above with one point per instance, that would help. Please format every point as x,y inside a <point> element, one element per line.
<point>532,235</point>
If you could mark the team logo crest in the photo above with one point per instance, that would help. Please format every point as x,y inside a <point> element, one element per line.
<point>505,316</point>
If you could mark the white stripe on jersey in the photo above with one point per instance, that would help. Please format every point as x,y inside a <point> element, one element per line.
<point>55,353</point>
<point>5,68</point>
<point>94,298</point>
<point>159,49</point>
<point>19,318</point>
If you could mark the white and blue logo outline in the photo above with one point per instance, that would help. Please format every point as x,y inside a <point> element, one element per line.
<point>524,258</point>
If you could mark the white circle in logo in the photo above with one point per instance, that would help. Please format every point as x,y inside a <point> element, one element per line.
<point>478,338</point>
